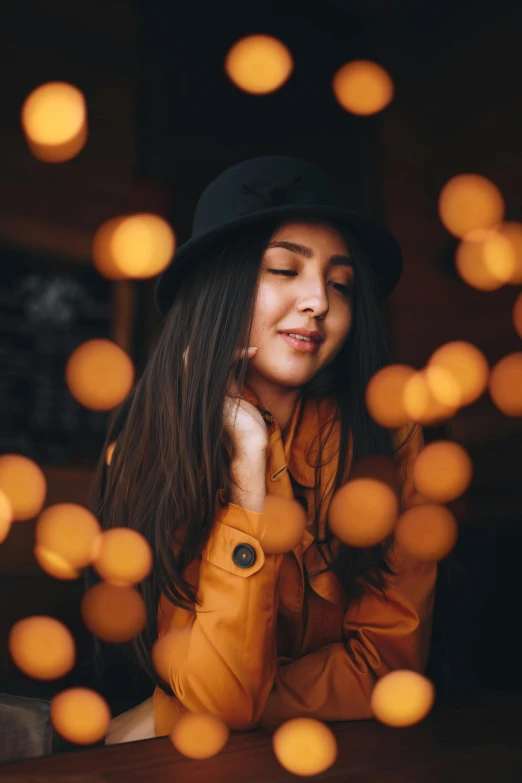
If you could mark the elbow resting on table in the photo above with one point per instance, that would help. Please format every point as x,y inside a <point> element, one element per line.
<point>224,697</point>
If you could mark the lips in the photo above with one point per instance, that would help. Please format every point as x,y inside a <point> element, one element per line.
<point>303,346</point>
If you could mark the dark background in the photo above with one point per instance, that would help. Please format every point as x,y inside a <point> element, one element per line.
<point>163,121</point>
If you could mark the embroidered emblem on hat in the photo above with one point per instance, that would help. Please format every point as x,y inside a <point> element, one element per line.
<point>258,193</point>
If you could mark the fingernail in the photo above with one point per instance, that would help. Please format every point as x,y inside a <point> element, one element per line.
<point>252,348</point>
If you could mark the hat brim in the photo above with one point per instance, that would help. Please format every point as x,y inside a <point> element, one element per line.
<point>381,247</point>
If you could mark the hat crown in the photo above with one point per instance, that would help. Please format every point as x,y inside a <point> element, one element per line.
<point>261,183</point>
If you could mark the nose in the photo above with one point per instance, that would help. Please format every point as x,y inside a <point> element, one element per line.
<point>313,297</point>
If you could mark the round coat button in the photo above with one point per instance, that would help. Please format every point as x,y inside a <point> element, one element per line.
<point>244,555</point>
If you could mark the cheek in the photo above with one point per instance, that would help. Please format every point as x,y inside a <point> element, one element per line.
<point>269,311</point>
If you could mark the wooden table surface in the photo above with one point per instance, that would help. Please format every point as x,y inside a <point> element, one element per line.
<point>477,739</point>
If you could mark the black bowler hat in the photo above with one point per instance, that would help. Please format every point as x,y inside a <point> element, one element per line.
<point>271,186</point>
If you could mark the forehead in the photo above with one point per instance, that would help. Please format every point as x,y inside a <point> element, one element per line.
<point>318,236</point>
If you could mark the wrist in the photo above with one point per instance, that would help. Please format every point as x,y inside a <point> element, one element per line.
<point>252,451</point>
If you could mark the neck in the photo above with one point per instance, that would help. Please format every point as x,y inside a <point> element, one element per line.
<point>279,400</point>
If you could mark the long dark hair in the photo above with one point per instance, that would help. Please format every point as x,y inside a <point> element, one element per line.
<point>171,455</point>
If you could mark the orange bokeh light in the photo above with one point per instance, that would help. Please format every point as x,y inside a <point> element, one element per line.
<point>363,87</point>
<point>24,485</point>
<point>305,746</point>
<point>171,646</point>
<point>42,647</point>
<point>114,614</point>
<point>385,395</point>
<point>402,698</point>
<point>99,374</point>
<point>102,255</point>
<point>427,532</point>
<point>443,471</point>
<point>517,315</point>
<point>420,402</point>
<point>68,538</point>
<point>133,246</point>
<point>199,736</point>
<point>54,565</point>
<point>505,384</point>
<point>481,270</point>
<point>467,366</point>
<point>469,203</point>
<point>363,511</point>
<point>258,64</point>
<point>512,232</point>
<point>6,516</point>
<point>124,557</point>
<point>54,121</point>
<point>283,524</point>
<point>80,715</point>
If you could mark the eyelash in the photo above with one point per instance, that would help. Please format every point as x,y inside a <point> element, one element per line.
<point>344,289</point>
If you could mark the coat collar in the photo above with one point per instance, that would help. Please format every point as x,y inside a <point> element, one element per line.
<point>309,419</point>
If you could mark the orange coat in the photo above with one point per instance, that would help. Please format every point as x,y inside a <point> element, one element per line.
<point>267,644</point>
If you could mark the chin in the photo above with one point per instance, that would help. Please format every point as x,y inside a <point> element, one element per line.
<point>291,380</point>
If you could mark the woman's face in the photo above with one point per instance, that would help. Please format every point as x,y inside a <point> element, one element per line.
<point>305,282</point>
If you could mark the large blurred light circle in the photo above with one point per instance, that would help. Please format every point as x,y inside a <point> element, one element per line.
<point>258,64</point>
<point>421,404</point>
<point>114,614</point>
<point>384,395</point>
<point>42,647</point>
<point>402,698</point>
<point>99,374</point>
<point>6,516</point>
<point>500,255</point>
<point>199,736</point>
<point>305,746</point>
<point>24,485</point>
<point>443,471</point>
<point>102,253</point>
<point>505,384</point>
<point>124,557</point>
<point>512,232</point>
<point>427,532</point>
<point>139,246</point>
<point>54,121</point>
<point>363,87</point>
<point>283,524</point>
<point>80,715</point>
<point>172,646</point>
<point>472,267</point>
<point>363,511</point>
<point>469,203</point>
<point>67,536</point>
<point>466,364</point>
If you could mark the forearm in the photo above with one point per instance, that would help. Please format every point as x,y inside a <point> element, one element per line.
<point>248,476</point>
<point>230,662</point>
<point>336,681</point>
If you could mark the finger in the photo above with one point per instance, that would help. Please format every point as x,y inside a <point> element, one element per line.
<point>242,353</point>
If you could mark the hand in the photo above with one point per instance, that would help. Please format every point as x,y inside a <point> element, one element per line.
<point>135,724</point>
<point>243,422</point>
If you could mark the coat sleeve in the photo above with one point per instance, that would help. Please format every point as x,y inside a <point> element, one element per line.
<point>336,681</point>
<point>227,658</point>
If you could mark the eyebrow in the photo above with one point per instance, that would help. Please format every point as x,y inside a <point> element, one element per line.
<point>307,252</point>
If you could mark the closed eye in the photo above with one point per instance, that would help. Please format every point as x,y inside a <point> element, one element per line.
<point>344,289</point>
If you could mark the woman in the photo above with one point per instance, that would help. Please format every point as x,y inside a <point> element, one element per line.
<point>231,408</point>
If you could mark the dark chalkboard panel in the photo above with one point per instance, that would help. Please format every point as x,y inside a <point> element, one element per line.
<point>47,309</point>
